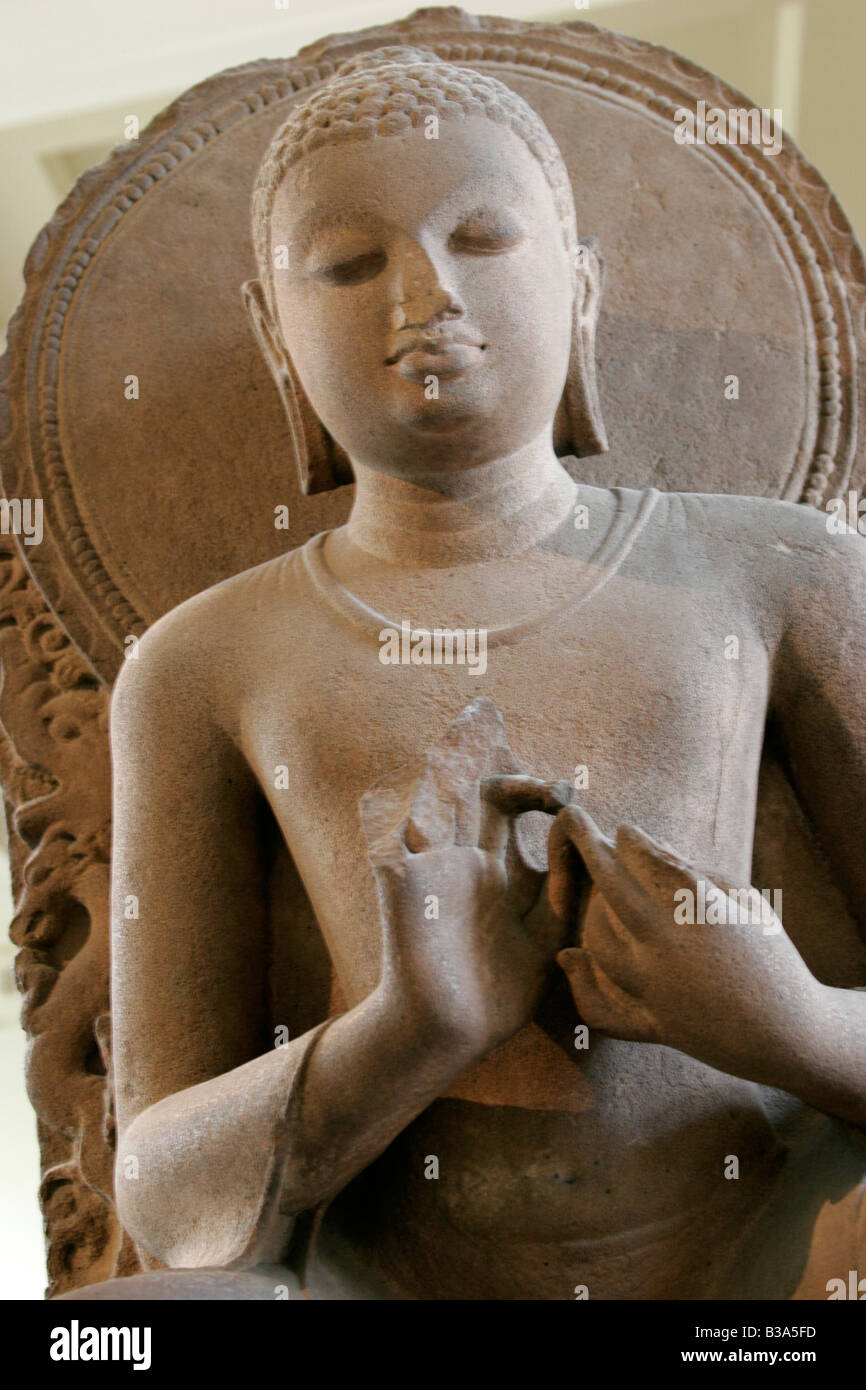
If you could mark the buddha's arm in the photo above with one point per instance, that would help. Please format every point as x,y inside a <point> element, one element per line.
<point>819,699</point>
<point>737,997</point>
<point>218,1147</point>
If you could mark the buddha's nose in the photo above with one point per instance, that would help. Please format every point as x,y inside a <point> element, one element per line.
<point>421,294</point>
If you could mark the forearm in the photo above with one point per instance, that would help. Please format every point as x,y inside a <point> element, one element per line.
<point>831,1074</point>
<point>822,1059</point>
<point>214,1175</point>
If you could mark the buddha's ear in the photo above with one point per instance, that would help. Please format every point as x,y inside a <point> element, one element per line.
<point>322,464</point>
<point>582,431</point>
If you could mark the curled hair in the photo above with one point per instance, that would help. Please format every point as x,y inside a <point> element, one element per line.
<point>390,91</point>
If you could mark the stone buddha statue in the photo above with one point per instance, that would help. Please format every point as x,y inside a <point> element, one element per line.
<point>545,1080</point>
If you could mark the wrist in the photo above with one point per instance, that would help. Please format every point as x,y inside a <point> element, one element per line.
<point>827,1067</point>
<point>411,1021</point>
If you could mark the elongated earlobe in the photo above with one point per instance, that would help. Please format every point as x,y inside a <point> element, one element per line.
<point>580,427</point>
<point>322,464</point>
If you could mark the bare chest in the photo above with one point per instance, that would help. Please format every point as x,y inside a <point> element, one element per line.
<point>649,707</point>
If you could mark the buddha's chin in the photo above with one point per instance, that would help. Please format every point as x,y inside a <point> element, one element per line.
<point>461,409</point>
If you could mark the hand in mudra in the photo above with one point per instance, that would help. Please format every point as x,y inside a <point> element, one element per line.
<point>469,934</point>
<point>736,995</point>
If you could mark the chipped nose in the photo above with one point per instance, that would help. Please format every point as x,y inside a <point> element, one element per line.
<point>421,310</point>
<point>422,299</point>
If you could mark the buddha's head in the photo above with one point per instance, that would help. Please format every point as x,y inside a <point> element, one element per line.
<point>424,303</point>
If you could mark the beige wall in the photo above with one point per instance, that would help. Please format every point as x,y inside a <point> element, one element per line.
<point>804,56</point>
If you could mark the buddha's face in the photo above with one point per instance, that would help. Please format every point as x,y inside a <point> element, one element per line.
<point>427,306</point>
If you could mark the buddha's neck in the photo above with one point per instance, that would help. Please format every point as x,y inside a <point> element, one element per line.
<point>486,512</point>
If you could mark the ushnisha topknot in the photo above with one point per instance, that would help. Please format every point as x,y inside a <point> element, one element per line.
<point>390,91</point>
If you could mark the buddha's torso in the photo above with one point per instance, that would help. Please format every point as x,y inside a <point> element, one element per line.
<point>558,1166</point>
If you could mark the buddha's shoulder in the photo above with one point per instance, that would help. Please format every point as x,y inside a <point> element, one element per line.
<point>217,630</point>
<point>761,534</point>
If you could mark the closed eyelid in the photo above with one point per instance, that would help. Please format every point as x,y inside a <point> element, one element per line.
<point>486,241</point>
<point>314,230</point>
<point>353,262</point>
<point>503,222</point>
<point>350,270</point>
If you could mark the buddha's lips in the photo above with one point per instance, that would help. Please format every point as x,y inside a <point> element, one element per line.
<point>441,360</point>
<point>436,345</point>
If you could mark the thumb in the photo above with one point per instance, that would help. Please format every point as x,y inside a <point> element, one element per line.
<point>600,1002</point>
<point>579,970</point>
<point>389,873</point>
<point>568,882</point>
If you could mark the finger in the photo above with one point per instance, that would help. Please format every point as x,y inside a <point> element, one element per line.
<point>746,906</point>
<point>612,946</point>
<point>383,817</point>
<point>503,799</point>
<point>658,868</point>
<point>600,858</point>
<point>431,824</point>
<point>567,880</point>
<point>714,879</point>
<point>421,804</point>
<point>548,929</point>
<point>600,1002</point>
<point>727,885</point>
<point>514,795</point>
<point>498,837</point>
<point>661,871</point>
<point>389,876</point>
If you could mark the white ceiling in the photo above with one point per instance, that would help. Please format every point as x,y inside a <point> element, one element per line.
<point>58,58</point>
<point>71,70</point>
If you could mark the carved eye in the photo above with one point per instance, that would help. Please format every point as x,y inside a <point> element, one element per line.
<point>487,234</point>
<point>353,271</point>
